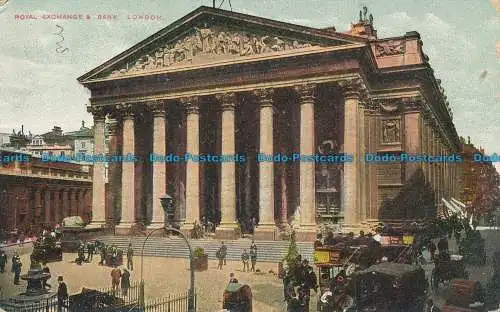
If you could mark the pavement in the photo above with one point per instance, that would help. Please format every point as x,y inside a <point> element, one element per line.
<point>164,277</point>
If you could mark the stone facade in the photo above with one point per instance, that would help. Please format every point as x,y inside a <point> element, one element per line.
<point>34,193</point>
<point>218,82</point>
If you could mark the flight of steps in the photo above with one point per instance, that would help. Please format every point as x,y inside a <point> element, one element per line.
<point>175,247</point>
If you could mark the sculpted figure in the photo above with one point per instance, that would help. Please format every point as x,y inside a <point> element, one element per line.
<point>168,56</point>
<point>235,44</point>
<point>262,45</point>
<point>247,48</point>
<point>221,44</point>
<point>390,131</point>
<point>279,45</point>
<point>207,38</point>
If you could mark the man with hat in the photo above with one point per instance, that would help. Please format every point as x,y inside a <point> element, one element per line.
<point>3,261</point>
<point>62,294</point>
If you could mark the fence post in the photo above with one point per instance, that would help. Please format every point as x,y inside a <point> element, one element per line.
<point>141,295</point>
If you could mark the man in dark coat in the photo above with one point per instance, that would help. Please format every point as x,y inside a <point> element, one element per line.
<point>102,252</point>
<point>3,261</point>
<point>62,294</point>
<point>90,251</point>
<point>244,258</point>
<point>253,258</point>
<point>223,251</point>
<point>309,281</point>
<point>125,282</point>
<point>218,254</point>
<point>17,269</point>
<point>130,257</point>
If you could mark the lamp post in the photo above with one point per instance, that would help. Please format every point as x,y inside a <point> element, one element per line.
<point>168,210</point>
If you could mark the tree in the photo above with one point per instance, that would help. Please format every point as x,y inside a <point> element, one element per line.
<point>292,255</point>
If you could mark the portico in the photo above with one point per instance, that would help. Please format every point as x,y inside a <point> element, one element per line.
<point>223,83</point>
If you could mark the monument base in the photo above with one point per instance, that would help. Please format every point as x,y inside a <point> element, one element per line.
<point>266,232</point>
<point>306,233</point>
<point>154,229</point>
<point>187,229</point>
<point>228,231</point>
<point>124,228</point>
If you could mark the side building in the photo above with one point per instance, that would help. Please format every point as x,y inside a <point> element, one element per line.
<point>34,193</point>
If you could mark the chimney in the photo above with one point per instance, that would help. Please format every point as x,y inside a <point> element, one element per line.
<point>22,129</point>
<point>468,140</point>
<point>83,124</point>
<point>364,27</point>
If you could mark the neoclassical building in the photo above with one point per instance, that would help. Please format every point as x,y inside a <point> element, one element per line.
<point>35,193</point>
<point>223,83</point>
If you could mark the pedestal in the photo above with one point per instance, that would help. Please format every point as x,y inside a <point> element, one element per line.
<point>124,229</point>
<point>187,229</point>
<point>306,234</point>
<point>155,227</point>
<point>266,232</point>
<point>96,225</point>
<point>228,231</point>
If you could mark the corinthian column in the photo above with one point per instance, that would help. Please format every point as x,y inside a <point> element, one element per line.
<point>351,147</point>
<point>114,173</point>
<point>307,169</point>
<point>266,228</point>
<point>192,167</point>
<point>159,167</point>
<point>98,181</point>
<point>228,227</point>
<point>128,170</point>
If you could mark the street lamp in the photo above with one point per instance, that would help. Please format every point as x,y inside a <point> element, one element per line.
<point>169,211</point>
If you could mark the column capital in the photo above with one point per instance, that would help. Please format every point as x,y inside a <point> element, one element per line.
<point>353,88</point>
<point>114,127</point>
<point>125,110</point>
<point>157,107</point>
<point>265,97</point>
<point>98,111</point>
<point>191,104</point>
<point>306,92</point>
<point>226,100</point>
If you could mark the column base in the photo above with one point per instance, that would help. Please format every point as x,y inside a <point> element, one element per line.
<point>187,229</point>
<point>96,225</point>
<point>124,228</point>
<point>155,227</point>
<point>306,233</point>
<point>229,231</point>
<point>266,232</point>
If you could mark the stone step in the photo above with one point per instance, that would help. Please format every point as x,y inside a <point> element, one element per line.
<point>267,251</point>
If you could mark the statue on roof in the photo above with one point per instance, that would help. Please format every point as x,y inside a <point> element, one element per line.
<point>360,16</point>
<point>365,11</point>
<point>371,19</point>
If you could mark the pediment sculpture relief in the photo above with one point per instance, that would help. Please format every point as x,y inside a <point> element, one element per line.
<point>209,44</point>
<point>391,47</point>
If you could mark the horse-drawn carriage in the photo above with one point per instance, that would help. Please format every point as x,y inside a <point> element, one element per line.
<point>47,250</point>
<point>447,268</point>
<point>387,287</point>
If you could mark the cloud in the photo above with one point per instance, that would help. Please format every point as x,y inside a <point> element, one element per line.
<point>495,4</point>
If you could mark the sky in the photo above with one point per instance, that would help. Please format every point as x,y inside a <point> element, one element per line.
<point>38,86</point>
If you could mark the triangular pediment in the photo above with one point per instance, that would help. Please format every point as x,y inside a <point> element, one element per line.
<point>211,36</point>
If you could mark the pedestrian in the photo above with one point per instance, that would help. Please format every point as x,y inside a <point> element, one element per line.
<point>223,249</point>
<point>244,259</point>
<point>90,251</point>
<point>3,261</point>
<point>102,252</point>
<point>13,260</point>
<point>432,250</point>
<point>62,294</point>
<point>116,275</point>
<point>17,269</point>
<point>125,283</point>
<point>318,242</point>
<point>253,258</point>
<point>44,281</point>
<point>218,254</point>
<point>232,278</point>
<point>130,257</point>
